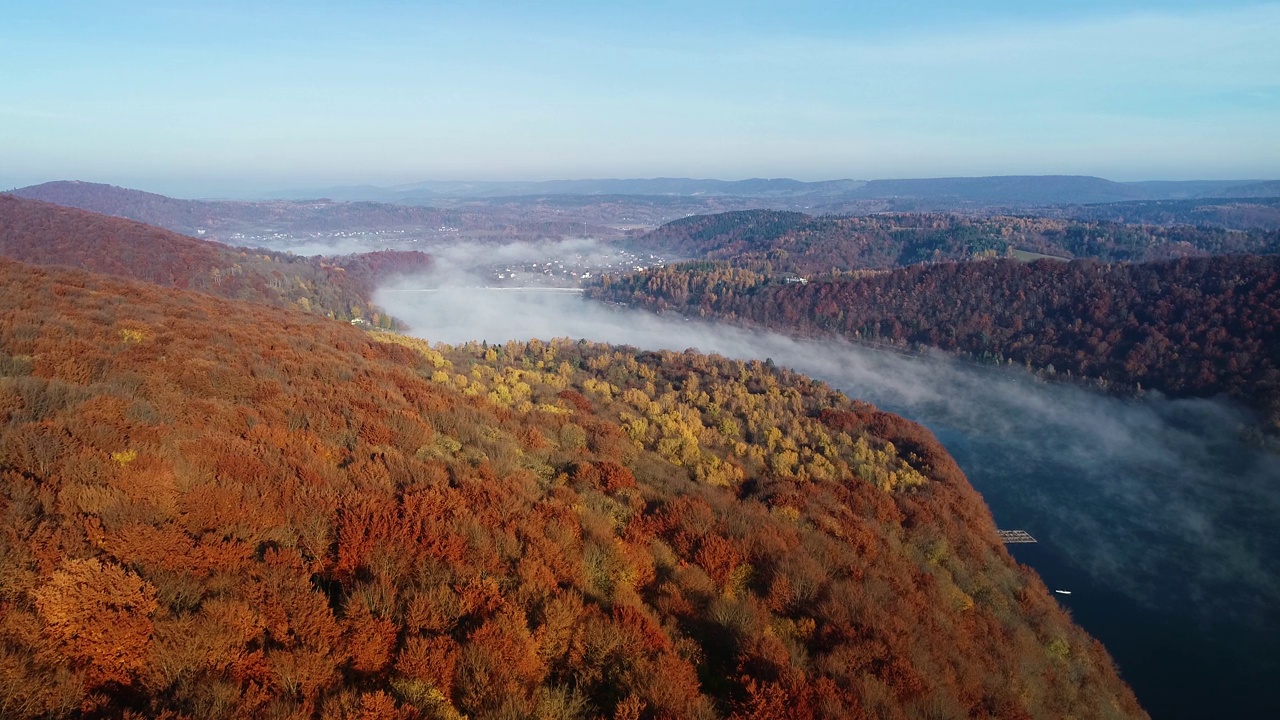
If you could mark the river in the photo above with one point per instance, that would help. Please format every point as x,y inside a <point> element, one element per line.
<point>1162,524</point>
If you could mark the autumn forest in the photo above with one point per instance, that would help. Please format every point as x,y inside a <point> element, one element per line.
<point>607,361</point>
<point>217,501</point>
<point>217,509</point>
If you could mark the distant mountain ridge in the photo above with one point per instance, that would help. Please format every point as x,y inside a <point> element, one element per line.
<point>1012,190</point>
<point>196,217</point>
<point>423,192</point>
<point>609,209</point>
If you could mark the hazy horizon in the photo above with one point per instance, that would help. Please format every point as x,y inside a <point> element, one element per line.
<point>244,99</point>
<point>247,190</point>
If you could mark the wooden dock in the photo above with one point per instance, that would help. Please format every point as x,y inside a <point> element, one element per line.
<point>1015,536</point>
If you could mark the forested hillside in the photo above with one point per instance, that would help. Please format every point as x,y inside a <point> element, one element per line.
<point>799,243</point>
<point>215,509</point>
<point>341,287</point>
<point>1189,327</point>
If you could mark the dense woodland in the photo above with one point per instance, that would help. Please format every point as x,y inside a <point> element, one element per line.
<point>799,243</point>
<point>1189,327</point>
<point>341,287</point>
<point>215,509</point>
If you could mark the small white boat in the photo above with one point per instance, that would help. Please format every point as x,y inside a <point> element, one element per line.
<point>1063,592</point>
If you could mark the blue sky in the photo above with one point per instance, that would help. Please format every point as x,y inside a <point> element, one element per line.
<point>194,99</point>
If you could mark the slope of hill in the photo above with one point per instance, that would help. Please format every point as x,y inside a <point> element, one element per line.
<point>218,509</point>
<point>185,216</point>
<point>1190,327</point>
<point>801,243</point>
<point>46,234</point>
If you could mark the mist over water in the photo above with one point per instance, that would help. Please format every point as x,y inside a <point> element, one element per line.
<point>1156,516</point>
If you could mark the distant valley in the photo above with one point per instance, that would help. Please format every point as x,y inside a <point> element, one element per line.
<point>433,213</point>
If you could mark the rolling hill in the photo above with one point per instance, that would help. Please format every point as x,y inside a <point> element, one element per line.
<point>45,234</point>
<point>800,243</point>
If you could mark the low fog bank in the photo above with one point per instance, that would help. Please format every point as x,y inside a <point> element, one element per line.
<point>1153,498</point>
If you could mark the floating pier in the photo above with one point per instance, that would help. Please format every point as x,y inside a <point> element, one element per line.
<point>1015,536</point>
